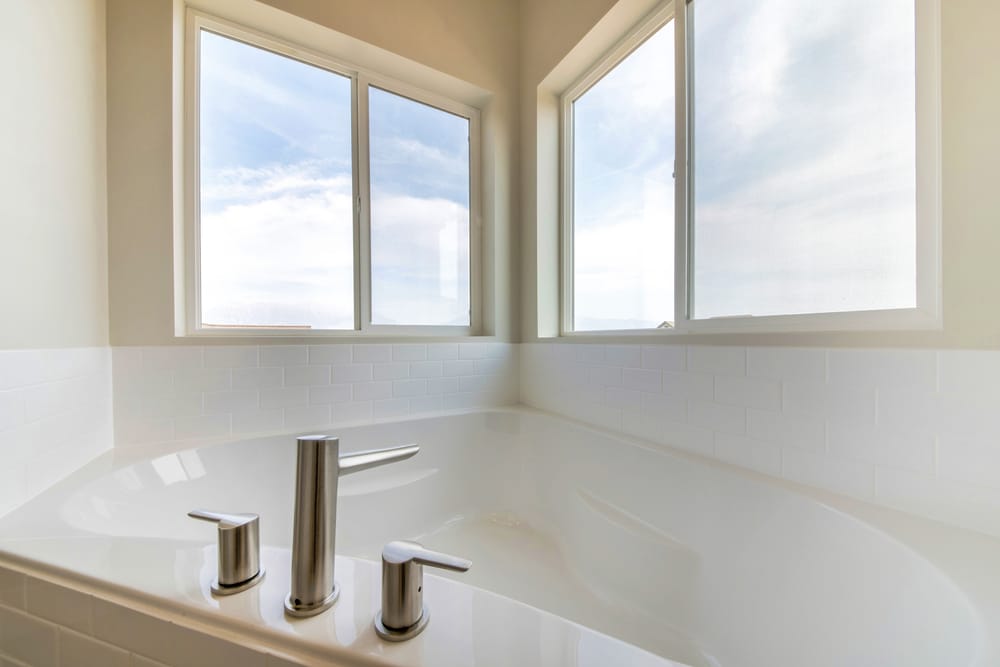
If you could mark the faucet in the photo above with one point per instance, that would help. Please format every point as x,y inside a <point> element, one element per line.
<point>320,465</point>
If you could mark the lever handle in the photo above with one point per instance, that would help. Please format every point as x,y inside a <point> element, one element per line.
<point>403,551</point>
<point>239,550</point>
<point>403,614</point>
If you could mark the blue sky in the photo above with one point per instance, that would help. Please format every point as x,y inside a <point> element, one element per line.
<point>803,178</point>
<point>276,180</point>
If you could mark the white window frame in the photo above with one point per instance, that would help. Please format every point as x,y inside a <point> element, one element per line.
<point>928,311</point>
<point>361,79</point>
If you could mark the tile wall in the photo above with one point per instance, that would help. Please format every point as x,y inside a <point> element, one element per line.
<point>916,430</point>
<point>55,415</point>
<point>179,393</point>
<point>45,624</point>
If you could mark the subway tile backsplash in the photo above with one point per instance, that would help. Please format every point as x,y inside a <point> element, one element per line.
<point>915,430</point>
<point>164,394</point>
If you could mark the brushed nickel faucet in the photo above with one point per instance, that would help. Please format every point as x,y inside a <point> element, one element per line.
<point>319,467</point>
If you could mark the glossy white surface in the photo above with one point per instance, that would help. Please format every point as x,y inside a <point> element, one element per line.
<point>694,561</point>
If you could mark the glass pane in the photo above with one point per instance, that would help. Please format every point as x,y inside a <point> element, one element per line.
<point>623,193</point>
<point>277,223</point>
<point>803,156</point>
<point>420,212</point>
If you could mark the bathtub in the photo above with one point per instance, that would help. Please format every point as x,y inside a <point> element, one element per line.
<point>588,548</point>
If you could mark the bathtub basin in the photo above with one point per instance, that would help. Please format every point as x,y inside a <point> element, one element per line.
<point>624,551</point>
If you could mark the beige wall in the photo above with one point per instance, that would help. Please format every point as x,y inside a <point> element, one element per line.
<point>53,222</point>
<point>475,42</point>
<point>971,168</point>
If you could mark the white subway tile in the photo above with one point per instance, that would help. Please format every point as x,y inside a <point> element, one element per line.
<point>409,387</point>
<point>11,408</point>
<point>664,357</point>
<point>332,353</point>
<point>433,369</point>
<point>763,457</point>
<point>698,386</point>
<point>787,429</point>
<point>490,366</point>
<point>258,421</point>
<point>144,430</point>
<point>625,356</point>
<point>689,437</point>
<point>605,376</point>
<point>170,358</point>
<point>913,450</point>
<point>442,351</point>
<point>284,355</point>
<point>618,397</point>
<point>476,383</point>
<point>333,393</point>
<point>369,391</point>
<point>12,585</point>
<point>971,458</point>
<point>231,356</point>
<point>28,639</point>
<point>53,398</point>
<point>850,478</point>
<point>307,417</point>
<point>257,378</point>
<point>589,354</point>
<point>472,351</point>
<point>717,359</point>
<point>77,650</point>
<point>787,363</point>
<point>420,404</point>
<point>352,373</point>
<point>448,385</point>
<point>409,352</point>
<point>666,408</point>
<point>372,353</point>
<point>209,426</point>
<point>393,371</point>
<point>823,400</point>
<point>642,379</point>
<point>461,367</point>
<point>355,412</point>
<point>311,376</point>
<point>284,397</point>
<point>911,369</point>
<point>58,604</point>
<point>717,417</point>
<point>748,392</point>
<point>230,401</point>
<point>203,379</point>
<point>392,407</point>
<point>966,372</point>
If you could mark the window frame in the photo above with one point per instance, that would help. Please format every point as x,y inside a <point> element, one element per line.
<point>361,79</point>
<point>927,314</point>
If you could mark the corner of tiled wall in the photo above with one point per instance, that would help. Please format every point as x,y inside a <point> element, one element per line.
<point>55,416</point>
<point>915,430</point>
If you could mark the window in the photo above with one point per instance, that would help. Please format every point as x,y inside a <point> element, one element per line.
<point>806,187</point>
<point>323,198</point>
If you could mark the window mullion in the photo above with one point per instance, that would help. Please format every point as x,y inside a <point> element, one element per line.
<point>362,205</point>
<point>682,255</point>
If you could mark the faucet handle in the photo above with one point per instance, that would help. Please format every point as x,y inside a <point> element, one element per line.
<point>403,614</point>
<point>239,550</point>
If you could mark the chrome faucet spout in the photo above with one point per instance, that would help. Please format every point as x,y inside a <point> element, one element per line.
<point>318,469</point>
<point>376,457</point>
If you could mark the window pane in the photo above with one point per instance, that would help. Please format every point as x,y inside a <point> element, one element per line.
<point>277,230</point>
<point>623,193</point>
<point>803,156</point>
<point>420,213</point>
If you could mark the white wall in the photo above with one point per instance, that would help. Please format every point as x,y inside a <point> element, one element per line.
<point>53,222</point>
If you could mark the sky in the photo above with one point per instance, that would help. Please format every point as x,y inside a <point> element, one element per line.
<point>803,179</point>
<point>803,166</point>
<point>277,230</point>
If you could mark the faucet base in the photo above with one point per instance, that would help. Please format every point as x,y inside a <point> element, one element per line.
<point>297,609</point>
<point>392,635</point>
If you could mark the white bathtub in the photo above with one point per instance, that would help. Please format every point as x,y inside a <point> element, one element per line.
<point>587,549</point>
